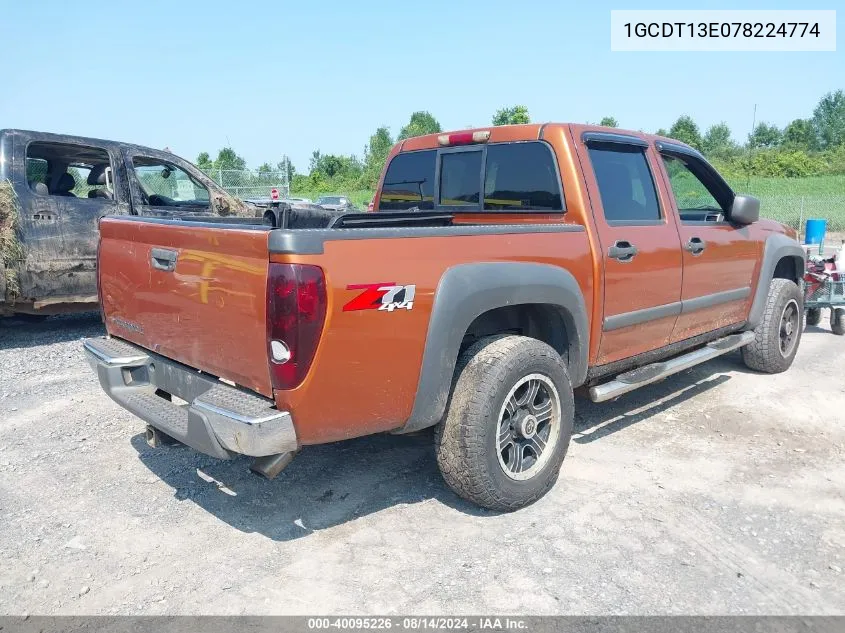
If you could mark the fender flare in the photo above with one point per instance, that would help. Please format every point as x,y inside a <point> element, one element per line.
<point>469,290</point>
<point>777,247</point>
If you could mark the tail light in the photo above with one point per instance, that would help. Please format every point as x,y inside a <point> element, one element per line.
<point>464,138</point>
<point>296,311</point>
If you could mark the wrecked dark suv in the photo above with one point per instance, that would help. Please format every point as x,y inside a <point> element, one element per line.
<point>53,191</point>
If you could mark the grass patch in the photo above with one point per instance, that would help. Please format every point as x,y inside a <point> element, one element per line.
<point>11,249</point>
<point>794,200</point>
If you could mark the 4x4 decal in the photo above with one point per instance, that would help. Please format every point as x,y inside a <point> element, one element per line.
<point>383,296</point>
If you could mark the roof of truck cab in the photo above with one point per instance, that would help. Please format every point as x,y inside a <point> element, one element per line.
<point>51,137</point>
<point>524,132</point>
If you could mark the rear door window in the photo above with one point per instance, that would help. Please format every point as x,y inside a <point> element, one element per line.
<point>69,170</point>
<point>625,183</point>
<point>409,182</point>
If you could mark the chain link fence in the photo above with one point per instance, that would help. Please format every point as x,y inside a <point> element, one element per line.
<point>249,184</point>
<point>795,210</point>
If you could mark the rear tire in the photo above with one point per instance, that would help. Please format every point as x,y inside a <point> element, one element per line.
<point>837,321</point>
<point>813,315</point>
<point>509,422</point>
<point>778,334</point>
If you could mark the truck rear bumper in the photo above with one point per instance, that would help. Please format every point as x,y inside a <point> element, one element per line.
<point>194,408</point>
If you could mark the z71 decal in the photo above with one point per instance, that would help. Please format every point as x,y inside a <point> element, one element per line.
<point>385,296</point>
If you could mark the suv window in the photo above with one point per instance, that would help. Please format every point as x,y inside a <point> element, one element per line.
<point>694,200</point>
<point>409,182</point>
<point>625,183</point>
<point>460,179</point>
<point>165,185</point>
<point>521,176</point>
<point>72,171</point>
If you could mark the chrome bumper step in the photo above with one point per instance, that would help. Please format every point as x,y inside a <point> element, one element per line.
<point>648,374</point>
<point>215,418</point>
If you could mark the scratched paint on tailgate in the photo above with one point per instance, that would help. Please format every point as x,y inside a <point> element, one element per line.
<point>208,312</point>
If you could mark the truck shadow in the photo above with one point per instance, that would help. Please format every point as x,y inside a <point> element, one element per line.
<point>593,421</point>
<point>18,333</point>
<point>329,485</point>
<point>323,487</point>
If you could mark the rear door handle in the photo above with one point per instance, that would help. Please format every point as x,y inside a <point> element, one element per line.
<point>622,250</point>
<point>696,245</point>
<point>163,259</point>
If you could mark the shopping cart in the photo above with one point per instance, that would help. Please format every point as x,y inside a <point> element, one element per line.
<point>824,288</point>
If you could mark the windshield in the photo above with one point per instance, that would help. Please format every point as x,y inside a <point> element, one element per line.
<point>330,200</point>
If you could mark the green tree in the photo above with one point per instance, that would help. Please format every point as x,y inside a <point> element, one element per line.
<point>717,139</point>
<point>686,131</point>
<point>779,163</point>
<point>331,166</point>
<point>511,116</point>
<point>829,120</point>
<point>315,161</point>
<point>662,132</point>
<point>375,155</point>
<point>421,123</point>
<point>800,134</point>
<point>286,165</point>
<point>228,159</point>
<point>765,135</point>
<point>609,121</point>
<point>204,162</point>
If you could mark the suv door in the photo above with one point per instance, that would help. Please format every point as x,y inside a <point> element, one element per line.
<point>64,188</point>
<point>719,257</point>
<point>640,248</point>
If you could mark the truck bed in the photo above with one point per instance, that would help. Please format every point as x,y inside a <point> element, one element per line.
<point>209,311</point>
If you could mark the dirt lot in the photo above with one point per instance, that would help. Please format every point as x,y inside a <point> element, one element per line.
<point>717,491</point>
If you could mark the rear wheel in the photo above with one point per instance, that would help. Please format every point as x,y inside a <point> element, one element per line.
<point>837,321</point>
<point>813,315</point>
<point>509,422</point>
<point>778,334</point>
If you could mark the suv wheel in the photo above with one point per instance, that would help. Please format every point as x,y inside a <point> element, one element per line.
<point>837,321</point>
<point>813,315</point>
<point>509,422</point>
<point>777,336</point>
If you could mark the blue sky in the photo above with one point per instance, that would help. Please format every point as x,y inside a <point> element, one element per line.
<point>272,78</point>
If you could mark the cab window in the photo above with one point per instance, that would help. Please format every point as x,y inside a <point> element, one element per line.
<point>521,176</point>
<point>409,182</point>
<point>460,179</point>
<point>516,177</point>
<point>165,185</point>
<point>694,200</point>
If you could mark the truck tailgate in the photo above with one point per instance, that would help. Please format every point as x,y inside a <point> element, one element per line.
<point>191,292</point>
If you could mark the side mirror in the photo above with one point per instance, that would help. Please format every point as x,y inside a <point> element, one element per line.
<point>745,209</point>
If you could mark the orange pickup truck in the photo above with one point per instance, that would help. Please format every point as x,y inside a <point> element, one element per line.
<point>500,270</point>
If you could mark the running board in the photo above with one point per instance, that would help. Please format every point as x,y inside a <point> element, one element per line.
<point>642,376</point>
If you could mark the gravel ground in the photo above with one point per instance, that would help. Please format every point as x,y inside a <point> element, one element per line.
<point>718,491</point>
